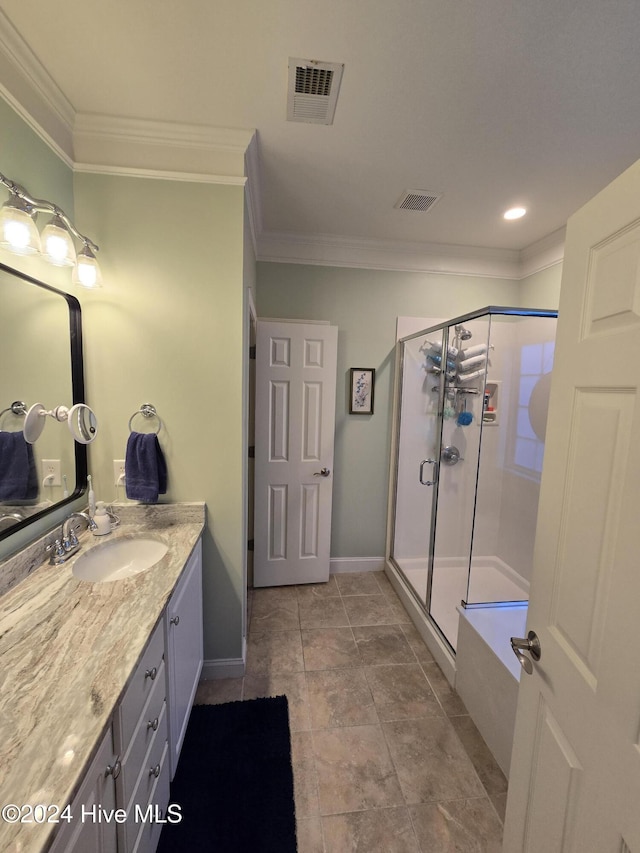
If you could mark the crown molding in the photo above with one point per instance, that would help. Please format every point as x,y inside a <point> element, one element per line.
<point>330,250</point>
<point>157,148</point>
<point>156,174</point>
<point>543,254</point>
<point>33,94</point>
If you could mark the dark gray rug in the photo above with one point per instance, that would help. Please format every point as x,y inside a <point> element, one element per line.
<point>234,782</point>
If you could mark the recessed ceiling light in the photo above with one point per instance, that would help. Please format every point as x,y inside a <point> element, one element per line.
<point>515,212</point>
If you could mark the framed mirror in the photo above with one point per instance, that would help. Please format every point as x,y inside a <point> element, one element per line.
<point>40,362</point>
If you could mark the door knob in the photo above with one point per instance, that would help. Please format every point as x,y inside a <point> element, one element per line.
<point>531,644</point>
<point>323,472</point>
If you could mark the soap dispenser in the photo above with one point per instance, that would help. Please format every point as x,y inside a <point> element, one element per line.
<point>102,520</point>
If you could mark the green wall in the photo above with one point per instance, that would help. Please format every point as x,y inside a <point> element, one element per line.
<point>167,329</point>
<point>542,289</point>
<point>364,304</point>
<point>26,159</point>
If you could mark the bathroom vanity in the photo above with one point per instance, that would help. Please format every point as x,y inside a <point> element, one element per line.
<point>97,682</point>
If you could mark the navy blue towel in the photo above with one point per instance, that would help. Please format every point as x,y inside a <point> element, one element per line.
<point>18,476</point>
<point>145,468</point>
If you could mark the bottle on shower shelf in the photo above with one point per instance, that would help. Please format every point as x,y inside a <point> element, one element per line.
<point>473,363</point>
<point>469,377</point>
<point>436,346</point>
<point>437,360</point>
<point>471,352</point>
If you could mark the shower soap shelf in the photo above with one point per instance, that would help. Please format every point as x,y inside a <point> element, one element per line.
<point>490,410</point>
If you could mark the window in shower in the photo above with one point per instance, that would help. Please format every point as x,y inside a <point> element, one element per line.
<point>536,361</point>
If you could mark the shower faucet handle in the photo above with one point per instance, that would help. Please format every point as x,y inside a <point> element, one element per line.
<point>451,455</point>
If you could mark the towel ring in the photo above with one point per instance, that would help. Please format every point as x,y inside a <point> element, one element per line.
<point>147,411</point>
<point>17,407</point>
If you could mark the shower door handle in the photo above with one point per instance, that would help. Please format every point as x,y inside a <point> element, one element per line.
<point>422,464</point>
<point>531,644</point>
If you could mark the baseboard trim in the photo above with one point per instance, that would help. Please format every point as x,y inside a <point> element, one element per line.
<point>222,668</point>
<point>338,565</point>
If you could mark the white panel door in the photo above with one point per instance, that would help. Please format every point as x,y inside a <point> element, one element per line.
<point>295,421</point>
<point>574,784</point>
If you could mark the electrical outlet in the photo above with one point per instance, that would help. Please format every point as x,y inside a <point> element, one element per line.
<point>51,468</point>
<point>118,472</point>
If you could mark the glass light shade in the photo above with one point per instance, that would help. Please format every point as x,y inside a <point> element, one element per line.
<point>87,272</point>
<point>57,243</point>
<point>18,231</point>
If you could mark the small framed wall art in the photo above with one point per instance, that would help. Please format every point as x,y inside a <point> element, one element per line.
<point>361,385</point>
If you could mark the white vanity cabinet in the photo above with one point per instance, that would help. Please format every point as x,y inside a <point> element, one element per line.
<point>183,631</point>
<point>139,753</point>
<point>84,826</point>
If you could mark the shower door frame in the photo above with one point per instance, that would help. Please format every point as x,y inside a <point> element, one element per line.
<point>424,605</point>
<point>444,327</point>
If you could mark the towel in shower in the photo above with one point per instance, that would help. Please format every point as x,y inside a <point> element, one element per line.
<point>145,468</point>
<point>18,476</point>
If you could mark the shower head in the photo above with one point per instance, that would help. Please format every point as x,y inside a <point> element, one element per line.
<point>463,334</point>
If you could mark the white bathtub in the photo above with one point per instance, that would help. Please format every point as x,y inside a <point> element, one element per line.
<point>488,673</point>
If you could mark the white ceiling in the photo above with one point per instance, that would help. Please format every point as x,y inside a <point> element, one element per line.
<point>492,103</point>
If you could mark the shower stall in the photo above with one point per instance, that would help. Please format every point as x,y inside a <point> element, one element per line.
<point>471,402</point>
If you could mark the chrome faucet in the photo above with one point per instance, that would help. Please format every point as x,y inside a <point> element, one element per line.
<point>68,544</point>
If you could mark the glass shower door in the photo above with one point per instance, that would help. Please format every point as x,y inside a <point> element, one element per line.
<point>417,449</point>
<point>462,412</point>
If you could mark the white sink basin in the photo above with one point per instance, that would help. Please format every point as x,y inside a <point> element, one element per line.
<point>119,558</point>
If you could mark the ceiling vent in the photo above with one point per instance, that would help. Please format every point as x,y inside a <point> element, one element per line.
<point>418,200</point>
<point>312,92</point>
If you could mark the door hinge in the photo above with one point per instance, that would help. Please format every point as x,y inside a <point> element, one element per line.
<point>250,544</point>
<point>252,352</point>
<point>252,452</point>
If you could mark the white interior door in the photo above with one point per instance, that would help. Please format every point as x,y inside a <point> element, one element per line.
<point>575,774</point>
<point>295,422</point>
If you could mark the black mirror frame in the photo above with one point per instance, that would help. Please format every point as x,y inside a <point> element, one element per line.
<point>77,390</point>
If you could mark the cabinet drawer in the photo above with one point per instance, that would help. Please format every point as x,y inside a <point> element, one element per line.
<point>141,812</point>
<point>148,672</point>
<point>152,725</point>
<point>149,834</point>
<point>147,779</point>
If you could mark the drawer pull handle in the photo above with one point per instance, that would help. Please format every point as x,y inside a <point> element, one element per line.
<point>153,724</point>
<point>151,673</point>
<point>175,620</point>
<point>155,771</point>
<point>114,769</point>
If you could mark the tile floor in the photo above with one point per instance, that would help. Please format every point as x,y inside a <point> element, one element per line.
<point>385,757</point>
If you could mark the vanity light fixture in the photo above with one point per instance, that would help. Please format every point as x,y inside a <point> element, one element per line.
<point>57,245</point>
<point>18,231</point>
<point>19,234</point>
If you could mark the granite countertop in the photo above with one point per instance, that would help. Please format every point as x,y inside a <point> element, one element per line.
<point>67,651</point>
